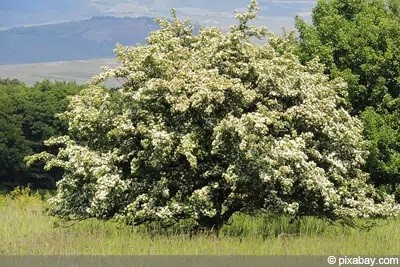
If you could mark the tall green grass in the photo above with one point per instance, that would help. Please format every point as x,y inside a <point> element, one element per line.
<point>25,230</point>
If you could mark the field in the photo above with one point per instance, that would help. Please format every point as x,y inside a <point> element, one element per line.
<point>79,71</point>
<point>26,230</point>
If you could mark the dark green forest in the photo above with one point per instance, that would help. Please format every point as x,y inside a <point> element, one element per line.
<point>27,118</point>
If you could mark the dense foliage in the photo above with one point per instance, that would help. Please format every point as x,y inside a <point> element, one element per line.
<point>359,40</point>
<point>27,118</point>
<point>208,125</point>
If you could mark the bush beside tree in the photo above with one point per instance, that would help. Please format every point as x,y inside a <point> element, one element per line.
<point>359,40</point>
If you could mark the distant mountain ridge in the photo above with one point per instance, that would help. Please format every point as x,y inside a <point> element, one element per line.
<point>273,13</point>
<point>85,39</point>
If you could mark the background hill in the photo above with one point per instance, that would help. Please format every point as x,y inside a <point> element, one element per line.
<point>85,39</point>
<point>34,31</point>
<point>274,13</point>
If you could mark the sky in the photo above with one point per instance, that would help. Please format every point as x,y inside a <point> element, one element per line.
<point>273,13</point>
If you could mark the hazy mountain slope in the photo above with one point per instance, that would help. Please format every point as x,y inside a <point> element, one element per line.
<point>96,37</point>
<point>91,38</point>
<point>273,13</point>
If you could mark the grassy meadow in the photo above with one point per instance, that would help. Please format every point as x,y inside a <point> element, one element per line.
<point>26,230</point>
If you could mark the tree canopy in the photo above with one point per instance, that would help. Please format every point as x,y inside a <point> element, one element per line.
<point>209,124</point>
<point>359,40</point>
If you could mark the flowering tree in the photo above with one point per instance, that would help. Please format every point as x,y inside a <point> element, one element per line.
<point>208,125</point>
